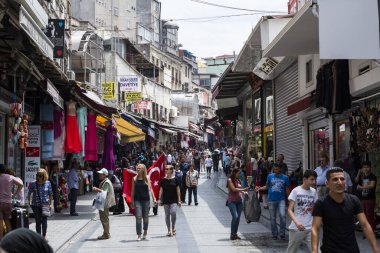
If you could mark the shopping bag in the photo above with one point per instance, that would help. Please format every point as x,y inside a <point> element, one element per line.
<point>100,200</point>
<point>252,209</point>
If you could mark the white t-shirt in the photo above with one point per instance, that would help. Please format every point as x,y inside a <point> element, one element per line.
<point>254,164</point>
<point>208,162</point>
<point>304,201</point>
<point>169,158</point>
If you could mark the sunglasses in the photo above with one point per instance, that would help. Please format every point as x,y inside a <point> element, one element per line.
<point>40,176</point>
<point>169,169</point>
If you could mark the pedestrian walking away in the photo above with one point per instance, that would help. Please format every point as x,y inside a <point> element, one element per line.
<point>192,184</point>
<point>208,163</point>
<point>184,167</point>
<point>278,187</point>
<point>235,201</point>
<point>117,183</point>
<point>170,198</point>
<point>141,194</point>
<point>321,170</point>
<point>105,185</point>
<point>42,200</point>
<point>6,184</point>
<point>73,184</point>
<point>301,203</point>
<point>337,212</point>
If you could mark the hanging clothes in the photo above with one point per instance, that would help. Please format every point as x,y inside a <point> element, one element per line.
<point>82,123</point>
<point>91,143</point>
<point>47,132</point>
<point>59,134</point>
<point>108,160</point>
<point>72,141</point>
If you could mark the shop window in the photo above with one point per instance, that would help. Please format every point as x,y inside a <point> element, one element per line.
<point>343,140</point>
<point>257,110</point>
<point>309,73</point>
<point>319,141</point>
<point>249,115</point>
<point>269,110</point>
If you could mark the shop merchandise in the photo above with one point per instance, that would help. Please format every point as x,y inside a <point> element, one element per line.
<point>72,142</point>
<point>108,161</point>
<point>91,144</point>
<point>59,134</point>
<point>82,124</point>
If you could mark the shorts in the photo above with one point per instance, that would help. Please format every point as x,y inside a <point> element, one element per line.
<point>5,211</point>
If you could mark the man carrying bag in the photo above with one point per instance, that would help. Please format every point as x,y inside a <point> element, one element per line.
<point>105,186</point>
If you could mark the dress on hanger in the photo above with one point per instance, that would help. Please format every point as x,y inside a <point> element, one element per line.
<point>82,123</point>
<point>59,134</point>
<point>91,143</point>
<point>108,160</point>
<point>72,142</point>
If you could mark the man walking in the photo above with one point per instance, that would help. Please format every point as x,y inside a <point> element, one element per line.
<point>301,203</point>
<point>277,185</point>
<point>337,212</point>
<point>284,166</point>
<point>184,167</point>
<point>321,171</point>
<point>73,184</point>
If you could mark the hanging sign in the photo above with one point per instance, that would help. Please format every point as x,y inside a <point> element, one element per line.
<point>129,83</point>
<point>143,105</point>
<point>132,96</point>
<point>108,89</point>
<point>55,31</point>
<point>32,154</point>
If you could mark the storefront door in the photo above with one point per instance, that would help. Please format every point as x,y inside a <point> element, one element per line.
<point>318,142</point>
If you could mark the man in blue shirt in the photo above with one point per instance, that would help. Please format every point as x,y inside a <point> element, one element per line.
<point>227,161</point>
<point>73,184</point>
<point>321,179</point>
<point>277,184</point>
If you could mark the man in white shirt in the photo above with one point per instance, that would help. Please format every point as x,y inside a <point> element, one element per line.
<point>301,204</point>
<point>208,164</point>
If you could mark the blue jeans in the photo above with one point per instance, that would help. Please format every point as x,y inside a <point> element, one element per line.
<point>41,221</point>
<point>274,207</point>
<point>141,213</point>
<point>235,209</point>
<point>193,191</point>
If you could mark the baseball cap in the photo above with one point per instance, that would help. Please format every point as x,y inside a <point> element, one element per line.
<point>103,171</point>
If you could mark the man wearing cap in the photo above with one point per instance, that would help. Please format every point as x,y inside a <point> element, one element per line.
<point>105,185</point>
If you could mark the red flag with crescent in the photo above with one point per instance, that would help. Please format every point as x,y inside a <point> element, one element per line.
<point>128,176</point>
<point>155,173</point>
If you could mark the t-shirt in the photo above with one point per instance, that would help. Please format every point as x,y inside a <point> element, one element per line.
<point>368,193</point>
<point>304,201</point>
<point>6,183</point>
<point>276,187</point>
<point>338,223</point>
<point>208,162</point>
<point>169,190</point>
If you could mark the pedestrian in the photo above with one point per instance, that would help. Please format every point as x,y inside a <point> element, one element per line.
<point>301,203</point>
<point>254,165</point>
<point>197,162</point>
<point>367,182</point>
<point>73,184</point>
<point>24,240</point>
<point>192,183</point>
<point>235,201</point>
<point>227,161</point>
<point>170,198</point>
<point>337,213</point>
<point>6,184</point>
<point>184,167</point>
<point>18,199</point>
<point>141,194</point>
<point>215,160</point>
<point>321,170</point>
<point>284,166</point>
<point>208,164</point>
<point>105,185</point>
<point>278,188</point>
<point>117,183</point>
<point>42,193</point>
<point>349,184</point>
<point>54,184</point>
<point>264,171</point>
<point>202,162</point>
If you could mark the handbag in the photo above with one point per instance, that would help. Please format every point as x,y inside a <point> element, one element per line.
<point>46,210</point>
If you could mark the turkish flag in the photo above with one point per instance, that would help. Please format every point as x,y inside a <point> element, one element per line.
<point>155,173</point>
<point>128,176</point>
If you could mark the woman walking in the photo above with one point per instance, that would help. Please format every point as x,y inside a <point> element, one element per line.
<point>117,183</point>
<point>170,198</point>
<point>141,194</point>
<point>42,200</point>
<point>192,183</point>
<point>235,201</point>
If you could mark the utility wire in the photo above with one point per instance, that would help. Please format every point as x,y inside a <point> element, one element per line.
<point>234,8</point>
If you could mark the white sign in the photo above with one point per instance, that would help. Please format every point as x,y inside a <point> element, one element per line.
<point>54,94</point>
<point>32,164</point>
<point>129,83</point>
<point>32,154</point>
<point>34,136</point>
<point>35,33</point>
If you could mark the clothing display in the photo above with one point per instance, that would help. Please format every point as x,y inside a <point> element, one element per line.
<point>91,143</point>
<point>47,132</point>
<point>72,141</point>
<point>82,123</point>
<point>59,134</point>
<point>108,160</point>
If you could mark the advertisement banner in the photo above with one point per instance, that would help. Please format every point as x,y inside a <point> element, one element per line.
<point>143,105</point>
<point>108,89</point>
<point>32,154</point>
<point>132,96</point>
<point>129,83</point>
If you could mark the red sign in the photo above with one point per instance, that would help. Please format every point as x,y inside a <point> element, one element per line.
<point>143,105</point>
<point>32,152</point>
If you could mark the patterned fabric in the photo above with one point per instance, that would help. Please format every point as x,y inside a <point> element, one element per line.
<point>42,196</point>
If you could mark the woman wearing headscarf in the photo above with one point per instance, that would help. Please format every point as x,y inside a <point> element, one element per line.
<point>24,240</point>
<point>42,193</point>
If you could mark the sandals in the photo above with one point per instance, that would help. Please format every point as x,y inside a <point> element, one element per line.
<point>174,232</point>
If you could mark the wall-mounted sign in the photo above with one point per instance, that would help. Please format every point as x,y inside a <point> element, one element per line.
<point>132,96</point>
<point>55,31</point>
<point>129,83</point>
<point>143,105</point>
<point>50,88</point>
<point>32,154</point>
<point>108,89</point>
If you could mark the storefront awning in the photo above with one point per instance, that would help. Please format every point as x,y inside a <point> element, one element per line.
<point>100,120</point>
<point>299,37</point>
<point>168,131</point>
<point>300,105</point>
<point>129,133</point>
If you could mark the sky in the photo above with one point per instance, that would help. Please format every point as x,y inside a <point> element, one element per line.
<point>214,37</point>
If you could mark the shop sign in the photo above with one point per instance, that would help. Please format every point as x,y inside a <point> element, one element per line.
<point>53,92</point>
<point>55,31</point>
<point>35,33</point>
<point>108,89</point>
<point>32,154</point>
<point>129,83</point>
<point>143,105</point>
<point>132,96</point>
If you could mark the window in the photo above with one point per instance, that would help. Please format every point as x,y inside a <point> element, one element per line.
<point>309,73</point>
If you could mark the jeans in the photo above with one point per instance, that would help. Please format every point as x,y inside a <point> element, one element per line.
<point>296,237</point>
<point>73,199</point>
<point>369,211</point>
<point>141,214</point>
<point>235,209</point>
<point>170,215</point>
<point>40,220</point>
<point>104,219</point>
<point>194,192</point>
<point>183,188</point>
<point>274,207</point>
<point>55,196</point>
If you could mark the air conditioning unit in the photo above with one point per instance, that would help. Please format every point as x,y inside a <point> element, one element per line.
<point>71,75</point>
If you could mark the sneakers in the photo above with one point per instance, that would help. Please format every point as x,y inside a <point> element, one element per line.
<point>138,238</point>
<point>104,237</point>
<point>234,237</point>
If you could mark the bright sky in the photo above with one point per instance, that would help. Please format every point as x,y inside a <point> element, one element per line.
<point>216,36</point>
